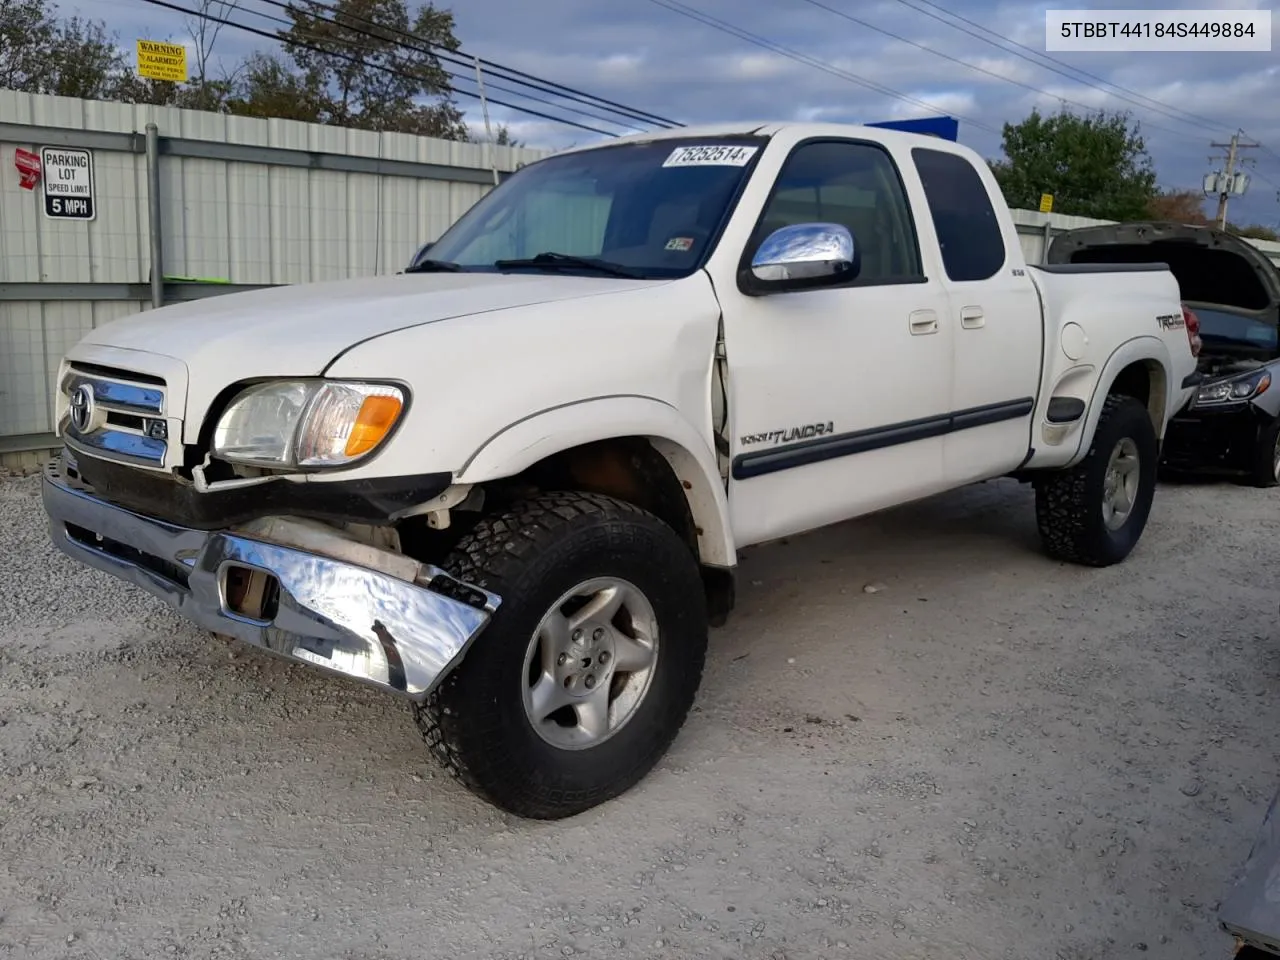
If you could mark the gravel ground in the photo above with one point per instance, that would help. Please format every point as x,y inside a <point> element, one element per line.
<point>917,738</point>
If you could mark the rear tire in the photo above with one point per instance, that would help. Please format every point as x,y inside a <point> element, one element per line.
<point>546,718</point>
<point>1266,456</point>
<point>1094,513</point>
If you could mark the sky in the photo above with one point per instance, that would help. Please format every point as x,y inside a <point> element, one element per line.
<point>644,54</point>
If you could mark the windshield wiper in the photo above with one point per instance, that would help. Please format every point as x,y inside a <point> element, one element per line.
<point>556,260</point>
<point>434,266</point>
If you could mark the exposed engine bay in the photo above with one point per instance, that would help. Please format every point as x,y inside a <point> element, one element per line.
<point>1231,291</point>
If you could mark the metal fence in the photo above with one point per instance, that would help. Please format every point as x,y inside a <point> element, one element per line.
<point>188,204</point>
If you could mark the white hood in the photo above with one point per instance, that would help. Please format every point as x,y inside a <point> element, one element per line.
<point>299,330</point>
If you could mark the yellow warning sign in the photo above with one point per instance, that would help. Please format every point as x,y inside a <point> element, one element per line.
<point>162,61</point>
<point>1046,203</point>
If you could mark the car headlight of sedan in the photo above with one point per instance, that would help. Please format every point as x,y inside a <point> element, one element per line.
<point>307,423</point>
<point>1235,389</point>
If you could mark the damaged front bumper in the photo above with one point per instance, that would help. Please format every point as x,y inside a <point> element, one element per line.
<point>295,588</point>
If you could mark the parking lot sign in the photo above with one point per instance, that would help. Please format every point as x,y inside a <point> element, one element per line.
<point>68,183</point>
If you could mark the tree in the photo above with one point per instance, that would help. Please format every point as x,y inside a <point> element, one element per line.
<point>501,136</point>
<point>359,63</point>
<point>1180,206</point>
<point>372,75</point>
<point>1187,206</point>
<point>204,26</point>
<point>1253,232</point>
<point>40,54</point>
<point>1094,166</point>
<point>267,87</point>
<point>505,139</point>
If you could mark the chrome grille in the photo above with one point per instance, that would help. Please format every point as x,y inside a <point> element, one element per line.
<point>115,414</point>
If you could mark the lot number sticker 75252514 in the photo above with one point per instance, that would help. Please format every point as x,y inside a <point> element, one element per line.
<point>714,155</point>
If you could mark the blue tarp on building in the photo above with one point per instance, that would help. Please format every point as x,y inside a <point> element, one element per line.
<point>947,128</point>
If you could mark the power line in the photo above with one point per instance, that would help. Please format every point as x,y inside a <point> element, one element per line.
<point>451,74</point>
<point>1048,66</point>
<point>391,70</point>
<point>963,63</point>
<point>710,21</point>
<point>1265,148</point>
<point>452,56</point>
<point>1159,107</point>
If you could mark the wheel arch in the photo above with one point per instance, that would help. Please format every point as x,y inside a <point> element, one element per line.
<point>1139,368</point>
<point>602,444</point>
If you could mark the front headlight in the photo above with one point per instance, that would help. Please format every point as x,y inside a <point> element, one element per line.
<point>307,423</point>
<point>1236,389</point>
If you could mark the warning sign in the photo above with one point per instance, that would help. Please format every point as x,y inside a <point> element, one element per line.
<point>162,61</point>
<point>68,183</point>
<point>1046,203</point>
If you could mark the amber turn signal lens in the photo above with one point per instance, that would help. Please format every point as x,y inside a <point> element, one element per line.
<point>376,418</point>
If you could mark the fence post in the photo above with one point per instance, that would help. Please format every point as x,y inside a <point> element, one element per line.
<point>153,215</point>
<point>1048,236</point>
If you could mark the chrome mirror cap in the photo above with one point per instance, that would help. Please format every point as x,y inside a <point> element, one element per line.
<point>806,252</point>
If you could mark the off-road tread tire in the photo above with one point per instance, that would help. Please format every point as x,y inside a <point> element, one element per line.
<point>506,553</point>
<point>1262,473</point>
<point>1068,502</point>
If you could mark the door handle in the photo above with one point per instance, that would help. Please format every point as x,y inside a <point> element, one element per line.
<point>971,318</point>
<point>923,321</point>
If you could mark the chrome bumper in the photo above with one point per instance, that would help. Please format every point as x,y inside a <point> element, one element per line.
<point>397,634</point>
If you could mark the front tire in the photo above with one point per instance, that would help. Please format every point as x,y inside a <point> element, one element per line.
<point>588,668</point>
<point>1094,513</point>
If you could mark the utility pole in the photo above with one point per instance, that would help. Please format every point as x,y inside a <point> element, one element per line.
<point>1228,182</point>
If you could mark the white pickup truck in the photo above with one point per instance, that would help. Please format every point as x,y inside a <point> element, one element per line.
<point>511,484</point>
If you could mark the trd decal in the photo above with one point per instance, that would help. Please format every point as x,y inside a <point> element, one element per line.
<point>1171,321</point>
<point>791,433</point>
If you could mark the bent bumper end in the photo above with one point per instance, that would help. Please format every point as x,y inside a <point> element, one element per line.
<point>400,635</point>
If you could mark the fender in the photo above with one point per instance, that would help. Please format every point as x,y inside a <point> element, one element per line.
<point>1131,351</point>
<point>537,436</point>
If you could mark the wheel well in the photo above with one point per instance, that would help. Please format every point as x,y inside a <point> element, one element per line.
<point>625,467</point>
<point>630,469</point>
<point>1146,382</point>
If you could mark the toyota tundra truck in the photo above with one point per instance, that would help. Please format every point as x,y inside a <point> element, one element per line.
<point>511,484</point>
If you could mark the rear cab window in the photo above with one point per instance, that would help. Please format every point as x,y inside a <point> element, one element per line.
<point>967,225</point>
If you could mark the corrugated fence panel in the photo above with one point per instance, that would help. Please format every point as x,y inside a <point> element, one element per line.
<point>122,241</point>
<point>23,381</point>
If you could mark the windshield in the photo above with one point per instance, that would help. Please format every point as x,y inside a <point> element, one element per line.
<point>1222,329</point>
<point>651,208</point>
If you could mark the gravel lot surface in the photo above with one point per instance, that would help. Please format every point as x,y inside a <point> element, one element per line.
<point>917,738</point>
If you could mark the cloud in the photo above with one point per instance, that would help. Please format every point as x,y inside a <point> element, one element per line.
<point>640,53</point>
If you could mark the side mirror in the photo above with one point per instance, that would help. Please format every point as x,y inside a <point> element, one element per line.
<point>803,257</point>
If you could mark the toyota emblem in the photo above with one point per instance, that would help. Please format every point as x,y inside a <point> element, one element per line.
<point>82,407</point>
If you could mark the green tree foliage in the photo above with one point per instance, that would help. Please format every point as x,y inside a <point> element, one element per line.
<point>372,76</point>
<point>1094,166</point>
<point>40,53</point>
<point>372,67</point>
